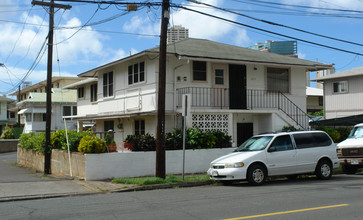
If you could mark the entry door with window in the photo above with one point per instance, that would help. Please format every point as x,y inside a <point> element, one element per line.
<point>237,87</point>
<point>219,91</point>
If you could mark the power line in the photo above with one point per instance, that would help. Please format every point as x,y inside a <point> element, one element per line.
<point>277,24</point>
<point>303,6</point>
<point>16,42</point>
<point>310,13</point>
<point>271,32</point>
<point>32,67</point>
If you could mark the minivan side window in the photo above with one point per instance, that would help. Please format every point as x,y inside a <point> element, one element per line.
<point>307,140</point>
<point>282,143</point>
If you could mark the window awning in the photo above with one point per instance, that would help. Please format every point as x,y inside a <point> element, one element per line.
<point>39,110</point>
<point>22,111</point>
<point>32,110</point>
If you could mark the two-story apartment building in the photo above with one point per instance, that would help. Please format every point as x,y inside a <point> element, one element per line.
<point>32,104</point>
<point>5,116</point>
<point>343,93</point>
<point>236,90</point>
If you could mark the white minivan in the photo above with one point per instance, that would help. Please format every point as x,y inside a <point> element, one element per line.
<point>278,154</point>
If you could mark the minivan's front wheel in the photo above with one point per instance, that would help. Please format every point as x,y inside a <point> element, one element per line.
<point>324,170</point>
<point>256,175</point>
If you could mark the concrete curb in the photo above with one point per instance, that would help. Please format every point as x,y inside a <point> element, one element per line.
<point>131,189</point>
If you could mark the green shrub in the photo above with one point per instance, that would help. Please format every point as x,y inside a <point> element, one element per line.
<point>223,140</point>
<point>32,141</point>
<point>195,139</point>
<point>289,128</point>
<point>174,140</point>
<point>334,134</point>
<point>59,140</point>
<point>344,133</point>
<point>108,139</point>
<point>17,130</point>
<point>142,142</point>
<point>92,144</point>
<point>8,132</point>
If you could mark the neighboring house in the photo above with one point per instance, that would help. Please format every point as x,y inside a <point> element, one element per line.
<point>5,116</point>
<point>314,100</point>
<point>57,82</point>
<point>33,110</point>
<point>32,104</point>
<point>239,91</point>
<point>343,93</point>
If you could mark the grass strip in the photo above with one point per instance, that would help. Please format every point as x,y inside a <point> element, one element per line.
<point>157,180</point>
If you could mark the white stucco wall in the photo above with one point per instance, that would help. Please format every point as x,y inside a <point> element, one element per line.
<point>135,164</point>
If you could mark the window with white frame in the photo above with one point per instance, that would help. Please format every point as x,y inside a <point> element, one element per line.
<point>136,73</point>
<point>340,87</point>
<point>139,127</point>
<point>108,84</point>
<point>219,77</point>
<point>278,79</point>
<point>94,92</point>
<point>199,71</point>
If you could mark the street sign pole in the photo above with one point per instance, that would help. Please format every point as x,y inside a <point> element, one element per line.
<point>185,106</point>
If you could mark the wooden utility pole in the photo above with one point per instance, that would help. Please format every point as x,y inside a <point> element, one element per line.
<point>47,150</point>
<point>19,99</point>
<point>160,133</point>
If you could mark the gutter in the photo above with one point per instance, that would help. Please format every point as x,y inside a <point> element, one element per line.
<point>236,61</point>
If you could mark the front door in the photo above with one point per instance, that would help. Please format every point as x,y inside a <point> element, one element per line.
<point>237,87</point>
<point>244,131</point>
<point>219,88</point>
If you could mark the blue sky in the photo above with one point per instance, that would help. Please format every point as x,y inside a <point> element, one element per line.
<point>114,34</point>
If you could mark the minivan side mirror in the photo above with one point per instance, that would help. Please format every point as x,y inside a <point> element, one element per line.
<point>272,149</point>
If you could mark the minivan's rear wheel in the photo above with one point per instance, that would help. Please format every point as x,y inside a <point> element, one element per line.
<point>256,175</point>
<point>324,170</point>
<point>347,169</point>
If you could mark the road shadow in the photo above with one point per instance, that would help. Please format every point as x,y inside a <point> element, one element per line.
<point>301,179</point>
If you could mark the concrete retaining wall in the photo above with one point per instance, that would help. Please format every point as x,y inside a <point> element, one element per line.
<point>59,162</point>
<point>121,164</point>
<point>8,145</point>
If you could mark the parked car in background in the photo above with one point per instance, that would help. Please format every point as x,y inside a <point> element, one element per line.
<point>350,151</point>
<point>278,154</point>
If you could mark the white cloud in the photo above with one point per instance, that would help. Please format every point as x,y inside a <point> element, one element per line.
<point>141,25</point>
<point>78,46</point>
<point>242,39</point>
<point>199,25</point>
<point>202,26</point>
<point>301,55</point>
<point>337,4</point>
<point>10,77</point>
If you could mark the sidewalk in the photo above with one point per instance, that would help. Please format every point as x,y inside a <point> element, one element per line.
<point>18,183</point>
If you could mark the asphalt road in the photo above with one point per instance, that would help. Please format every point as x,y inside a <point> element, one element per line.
<point>338,198</point>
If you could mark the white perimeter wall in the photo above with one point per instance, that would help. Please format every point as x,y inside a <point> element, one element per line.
<point>134,164</point>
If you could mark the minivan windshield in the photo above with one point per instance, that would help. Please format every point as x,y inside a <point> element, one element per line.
<point>357,132</point>
<point>255,144</point>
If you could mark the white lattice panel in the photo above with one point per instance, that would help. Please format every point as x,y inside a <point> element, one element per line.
<point>210,122</point>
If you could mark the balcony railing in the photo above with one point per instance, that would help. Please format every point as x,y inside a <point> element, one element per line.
<point>254,99</point>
